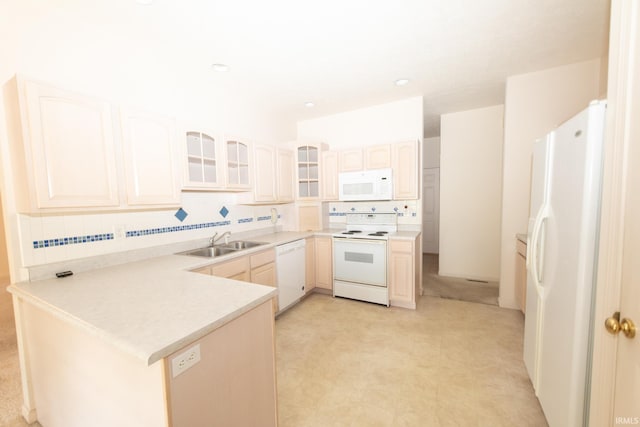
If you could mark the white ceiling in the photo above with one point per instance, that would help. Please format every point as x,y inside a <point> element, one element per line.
<point>346,54</point>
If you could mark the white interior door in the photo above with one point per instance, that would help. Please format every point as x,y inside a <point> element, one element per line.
<point>431,210</point>
<point>615,388</point>
<point>627,391</point>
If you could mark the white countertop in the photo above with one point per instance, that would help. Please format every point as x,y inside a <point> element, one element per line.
<point>154,307</point>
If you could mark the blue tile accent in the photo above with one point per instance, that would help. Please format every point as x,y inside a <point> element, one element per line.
<point>224,212</point>
<point>337,214</point>
<point>265,218</point>
<point>353,209</point>
<point>63,241</point>
<point>395,209</point>
<point>373,209</point>
<point>245,220</point>
<point>181,214</point>
<point>160,230</point>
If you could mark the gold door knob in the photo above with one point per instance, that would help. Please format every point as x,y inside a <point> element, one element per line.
<point>628,328</point>
<point>614,325</point>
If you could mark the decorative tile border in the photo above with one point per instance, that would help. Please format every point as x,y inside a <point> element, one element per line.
<point>245,220</point>
<point>62,241</point>
<point>161,230</point>
<point>265,218</point>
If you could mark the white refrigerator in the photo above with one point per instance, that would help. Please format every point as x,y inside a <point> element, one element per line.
<point>561,264</point>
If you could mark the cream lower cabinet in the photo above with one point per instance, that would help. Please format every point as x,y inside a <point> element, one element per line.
<point>324,262</point>
<point>521,274</point>
<point>259,268</point>
<point>310,264</point>
<point>405,272</point>
<point>233,384</point>
<point>237,269</point>
<point>263,271</point>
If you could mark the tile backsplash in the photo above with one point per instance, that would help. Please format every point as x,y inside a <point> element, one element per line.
<point>55,238</point>
<point>407,210</point>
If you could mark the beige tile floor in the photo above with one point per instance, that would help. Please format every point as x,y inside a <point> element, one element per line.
<point>349,363</point>
<point>448,363</point>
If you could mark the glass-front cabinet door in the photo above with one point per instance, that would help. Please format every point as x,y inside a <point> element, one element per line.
<point>237,165</point>
<point>202,161</point>
<point>308,172</point>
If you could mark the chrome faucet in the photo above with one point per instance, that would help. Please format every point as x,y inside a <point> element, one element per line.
<point>215,238</point>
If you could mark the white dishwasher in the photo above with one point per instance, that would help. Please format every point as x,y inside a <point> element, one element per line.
<point>290,259</point>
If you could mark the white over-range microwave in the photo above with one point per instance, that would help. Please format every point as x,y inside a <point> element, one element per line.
<point>376,184</point>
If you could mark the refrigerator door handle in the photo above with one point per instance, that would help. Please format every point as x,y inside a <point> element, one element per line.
<point>533,256</point>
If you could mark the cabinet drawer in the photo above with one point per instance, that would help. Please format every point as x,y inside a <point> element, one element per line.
<point>263,258</point>
<point>203,270</point>
<point>521,248</point>
<point>401,246</point>
<point>230,268</point>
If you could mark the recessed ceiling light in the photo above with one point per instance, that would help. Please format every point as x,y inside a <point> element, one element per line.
<point>402,82</point>
<point>309,104</point>
<point>220,68</point>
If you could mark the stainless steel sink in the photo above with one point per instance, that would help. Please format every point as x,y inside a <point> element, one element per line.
<point>210,252</point>
<point>220,250</point>
<point>241,244</point>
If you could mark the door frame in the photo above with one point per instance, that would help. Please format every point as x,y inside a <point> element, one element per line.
<point>625,19</point>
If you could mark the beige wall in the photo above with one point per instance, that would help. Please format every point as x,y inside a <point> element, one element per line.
<point>431,153</point>
<point>4,257</point>
<point>91,50</point>
<point>470,191</point>
<point>535,104</point>
<point>380,124</point>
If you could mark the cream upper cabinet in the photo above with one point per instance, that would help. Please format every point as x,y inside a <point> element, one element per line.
<point>203,161</point>
<point>152,170</point>
<point>286,175</point>
<point>264,172</point>
<point>377,157</point>
<point>62,148</point>
<point>308,162</point>
<point>330,175</point>
<point>273,176</point>
<point>351,160</point>
<point>237,165</point>
<point>404,160</point>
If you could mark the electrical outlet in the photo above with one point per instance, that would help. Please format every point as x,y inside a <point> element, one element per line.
<point>119,231</point>
<point>185,360</point>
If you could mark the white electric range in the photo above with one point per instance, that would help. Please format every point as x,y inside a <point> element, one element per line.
<point>360,257</point>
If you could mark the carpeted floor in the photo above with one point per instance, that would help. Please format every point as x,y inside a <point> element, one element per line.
<point>10,388</point>
<point>454,288</point>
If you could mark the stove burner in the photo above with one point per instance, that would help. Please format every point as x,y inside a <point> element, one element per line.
<point>379,233</point>
<point>352,232</point>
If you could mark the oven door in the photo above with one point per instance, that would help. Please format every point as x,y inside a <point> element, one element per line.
<point>360,261</point>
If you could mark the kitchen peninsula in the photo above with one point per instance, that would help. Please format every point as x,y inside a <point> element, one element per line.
<point>108,347</point>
